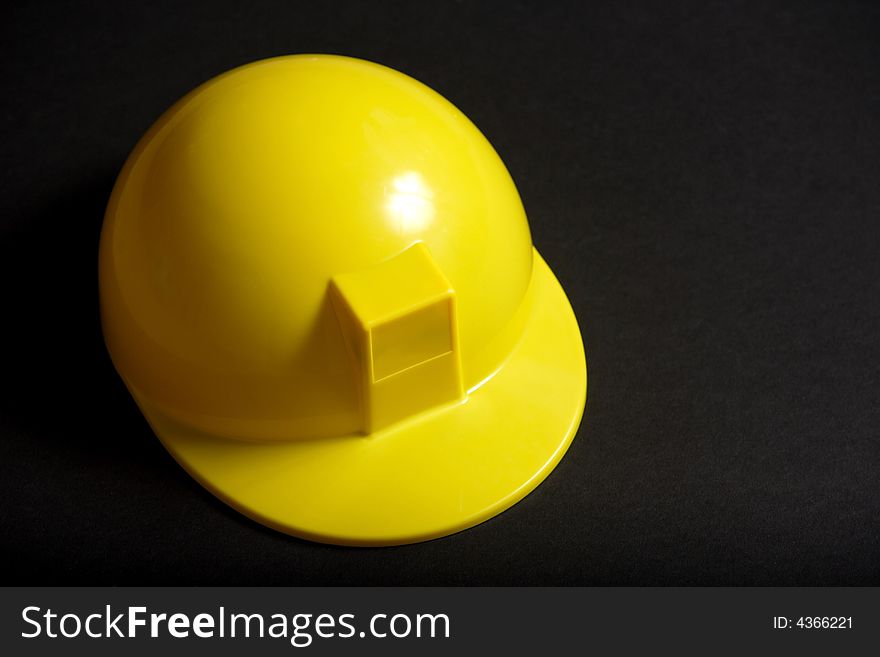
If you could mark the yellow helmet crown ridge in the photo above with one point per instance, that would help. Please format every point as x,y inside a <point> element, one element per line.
<point>318,283</point>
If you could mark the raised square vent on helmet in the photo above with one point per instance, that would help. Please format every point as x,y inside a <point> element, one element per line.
<point>398,320</point>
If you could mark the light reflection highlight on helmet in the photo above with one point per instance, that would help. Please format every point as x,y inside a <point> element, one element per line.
<point>410,204</point>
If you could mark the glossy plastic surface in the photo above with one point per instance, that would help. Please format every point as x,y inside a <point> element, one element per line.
<point>401,328</point>
<point>316,277</point>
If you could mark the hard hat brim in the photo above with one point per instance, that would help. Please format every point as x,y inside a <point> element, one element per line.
<point>430,476</point>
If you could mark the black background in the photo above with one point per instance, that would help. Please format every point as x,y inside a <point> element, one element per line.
<point>703,179</point>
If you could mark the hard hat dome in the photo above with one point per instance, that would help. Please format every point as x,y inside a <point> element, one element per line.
<point>240,205</point>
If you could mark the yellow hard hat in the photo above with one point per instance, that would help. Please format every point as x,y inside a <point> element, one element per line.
<point>318,283</point>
